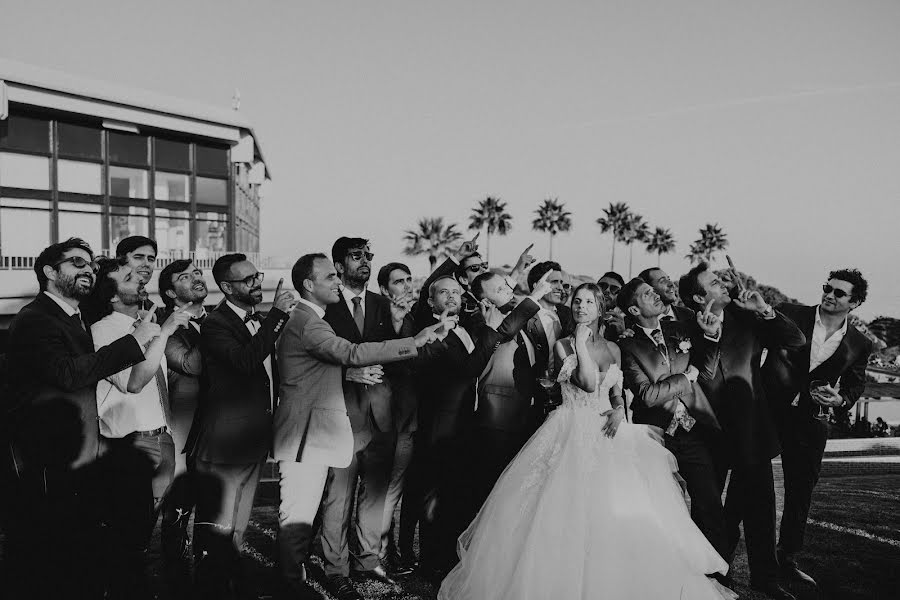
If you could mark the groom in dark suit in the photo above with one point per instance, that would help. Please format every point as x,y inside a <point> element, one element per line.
<point>662,363</point>
<point>738,398</point>
<point>54,436</point>
<point>835,351</point>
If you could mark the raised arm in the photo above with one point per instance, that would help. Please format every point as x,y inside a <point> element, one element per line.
<point>216,340</point>
<point>648,392</point>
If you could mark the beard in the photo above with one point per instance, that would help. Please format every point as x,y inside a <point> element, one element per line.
<point>357,279</point>
<point>74,287</point>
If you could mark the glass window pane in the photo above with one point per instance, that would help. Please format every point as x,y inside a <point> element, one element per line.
<point>79,177</point>
<point>212,160</point>
<point>172,186</point>
<point>211,232</point>
<point>125,221</point>
<point>18,132</point>
<point>172,155</point>
<point>87,226</point>
<point>212,191</point>
<point>127,183</point>
<point>172,231</point>
<point>23,232</point>
<point>128,148</point>
<point>24,171</point>
<point>82,141</point>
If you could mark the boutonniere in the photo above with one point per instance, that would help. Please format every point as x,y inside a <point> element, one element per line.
<point>627,333</point>
<point>682,345</point>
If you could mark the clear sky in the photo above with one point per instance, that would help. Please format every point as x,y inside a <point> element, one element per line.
<point>780,121</point>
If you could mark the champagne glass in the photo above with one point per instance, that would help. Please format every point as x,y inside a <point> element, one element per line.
<point>822,412</point>
<point>548,382</point>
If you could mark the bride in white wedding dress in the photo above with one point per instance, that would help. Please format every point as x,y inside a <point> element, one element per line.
<point>592,507</point>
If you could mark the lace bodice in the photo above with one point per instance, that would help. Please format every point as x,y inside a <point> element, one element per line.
<point>575,397</point>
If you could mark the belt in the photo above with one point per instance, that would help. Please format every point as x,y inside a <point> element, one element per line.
<point>152,433</point>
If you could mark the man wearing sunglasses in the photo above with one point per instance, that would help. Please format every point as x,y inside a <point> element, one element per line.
<point>232,431</point>
<point>837,353</point>
<point>614,320</point>
<point>54,370</point>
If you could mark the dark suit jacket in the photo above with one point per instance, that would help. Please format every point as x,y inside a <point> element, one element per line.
<point>369,407</point>
<point>186,378</point>
<point>526,374</point>
<point>53,375</point>
<point>404,404</point>
<point>233,424</point>
<point>445,382</point>
<point>657,386</point>
<point>737,394</point>
<point>786,372</point>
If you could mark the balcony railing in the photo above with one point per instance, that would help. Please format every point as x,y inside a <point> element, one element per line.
<point>202,259</point>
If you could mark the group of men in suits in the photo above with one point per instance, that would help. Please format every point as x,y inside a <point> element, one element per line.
<point>699,376</point>
<point>372,399</point>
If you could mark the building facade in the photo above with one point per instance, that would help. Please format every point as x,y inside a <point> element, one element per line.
<point>102,162</point>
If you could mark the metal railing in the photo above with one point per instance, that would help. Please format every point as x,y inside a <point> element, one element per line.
<point>202,259</point>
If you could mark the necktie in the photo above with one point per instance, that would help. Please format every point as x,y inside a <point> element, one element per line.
<point>77,318</point>
<point>163,389</point>
<point>358,317</point>
<point>657,336</point>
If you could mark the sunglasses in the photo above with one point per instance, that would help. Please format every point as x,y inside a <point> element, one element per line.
<point>837,293</point>
<point>612,288</point>
<point>79,263</point>
<point>358,255</point>
<point>477,267</point>
<point>249,280</point>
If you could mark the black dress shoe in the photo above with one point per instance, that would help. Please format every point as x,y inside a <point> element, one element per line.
<point>772,590</point>
<point>791,572</point>
<point>379,573</point>
<point>342,588</point>
<point>724,580</point>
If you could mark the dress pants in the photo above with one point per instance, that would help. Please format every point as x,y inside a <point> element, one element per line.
<point>413,494</point>
<point>179,502</point>
<point>225,494</point>
<point>803,440</point>
<point>371,467</point>
<point>695,465</point>
<point>301,486</point>
<point>751,499</point>
<point>403,452</point>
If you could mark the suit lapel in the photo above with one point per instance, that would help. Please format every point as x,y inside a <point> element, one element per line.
<point>237,324</point>
<point>82,337</point>
<point>343,318</point>
<point>833,363</point>
<point>371,317</point>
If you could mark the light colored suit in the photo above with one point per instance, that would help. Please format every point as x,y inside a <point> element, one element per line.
<point>311,427</point>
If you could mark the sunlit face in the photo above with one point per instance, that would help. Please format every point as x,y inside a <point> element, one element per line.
<point>647,302</point>
<point>555,295</point>
<point>446,295</point>
<point>357,266</point>
<point>71,281</point>
<point>472,267</point>
<point>585,307</point>
<point>399,284</point>
<point>664,286</point>
<point>610,288</point>
<point>715,288</point>
<point>325,284</point>
<point>830,301</point>
<point>497,291</point>
<point>129,285</point>
<point>245,283</point>
<point>143,261</point>
<point>188,286</point>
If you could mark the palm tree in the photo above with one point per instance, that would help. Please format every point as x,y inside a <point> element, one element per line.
<point>712,239</point>
<point>636,230</point>
<point>490,213</point>
<point>661,242</point>
<point>614,221</point>
<point>552,218</point>
<point>432,238</point>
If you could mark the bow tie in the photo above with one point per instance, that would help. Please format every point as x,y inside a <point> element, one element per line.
<point>199,319</point>
<point>252,316</point>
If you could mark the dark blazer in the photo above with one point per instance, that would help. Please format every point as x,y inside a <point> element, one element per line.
<point>526,374</point>
<point>369,407</point>
<point>786,372</point>
<point>404,404</point>
<point>53,375</point>
<point>445,383</point>
<point>469,311</point>
<point>737,394</point>
<point>186,377</point>
<point>657,386</point>
<point>233,424</point>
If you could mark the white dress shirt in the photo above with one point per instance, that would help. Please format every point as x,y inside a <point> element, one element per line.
<point>821,349</point>
<point>253,326</point>
<point>552,328</point>
<point>348,296</point>
<point>70,310</point>
<point>120,411</point>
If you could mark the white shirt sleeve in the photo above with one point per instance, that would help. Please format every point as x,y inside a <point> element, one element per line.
<point>104,333</point>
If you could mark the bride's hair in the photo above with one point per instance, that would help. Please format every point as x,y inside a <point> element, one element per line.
<point>598,295</point>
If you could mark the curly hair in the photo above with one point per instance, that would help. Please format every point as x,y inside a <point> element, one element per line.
<point>856,279</point>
